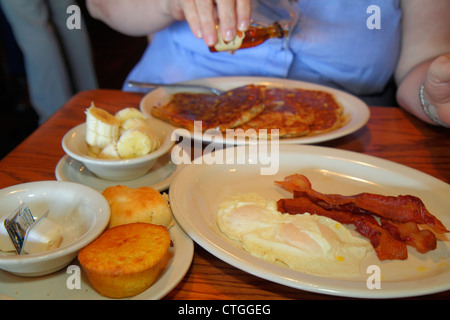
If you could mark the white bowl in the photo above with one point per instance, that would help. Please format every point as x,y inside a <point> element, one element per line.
<point>82,212</point>
<point>74,144</point>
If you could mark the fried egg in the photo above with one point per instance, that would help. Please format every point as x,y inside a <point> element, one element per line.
<point>308,243</point>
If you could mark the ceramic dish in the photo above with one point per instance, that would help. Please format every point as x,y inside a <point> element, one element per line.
<point>74,144</point>
<point>198,189</point>
<point>54,286</point>
<point>357,111</point>
<point>81,212</point>
<point>158,177</point>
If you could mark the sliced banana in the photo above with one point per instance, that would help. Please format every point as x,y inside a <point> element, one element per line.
<point>109,152</point>
<point>133,123</point>
<point>102,128</point>
<point>134,143</point>
<point>125,135</point>
<point>96,140</point>
<point>143,125</point>
<point>156,143</point>
<point>93,151</point>
<point>129,113</point>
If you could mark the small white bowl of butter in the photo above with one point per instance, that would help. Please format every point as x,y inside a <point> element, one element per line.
<point>77,215</point>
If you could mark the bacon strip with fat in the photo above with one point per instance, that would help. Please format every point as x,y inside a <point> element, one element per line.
<point>399,216</point>
<point>400,209</point>
<point>409,232</point>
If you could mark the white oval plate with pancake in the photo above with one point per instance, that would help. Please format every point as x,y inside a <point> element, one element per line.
<point>54,286</point>
<point>159,176</point>
<point>198,189</point>
<point>357,111</point>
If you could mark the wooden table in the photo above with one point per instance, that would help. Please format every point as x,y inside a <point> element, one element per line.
<point>390,134</point>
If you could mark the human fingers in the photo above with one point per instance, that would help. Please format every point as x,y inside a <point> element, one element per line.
<point>233,16</point>
<point>226,11</point>
<point>243,12</point>
<point>440,68</point>
<point>174,8</point>
<point>202,16</point>
<point>206,15</point>
<point>437,87</point>
<point>437,82</point>
<point>189,9</point>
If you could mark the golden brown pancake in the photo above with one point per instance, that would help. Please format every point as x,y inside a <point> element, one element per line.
<point>283,112</point>
<point>295,112</point>
<point>327,111</point>
<point>226,111</point>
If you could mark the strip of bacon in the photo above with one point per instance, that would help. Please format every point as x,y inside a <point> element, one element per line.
<point>386,246</point>
<point>409,232</point>
<point>295,182</point>
<point>400,209</point>
<point>399,216</point>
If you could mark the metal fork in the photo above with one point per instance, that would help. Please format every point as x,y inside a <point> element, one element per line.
<point>148,85</point>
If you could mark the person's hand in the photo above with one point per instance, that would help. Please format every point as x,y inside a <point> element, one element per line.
<point>203,15</point>
<point>437,87</point>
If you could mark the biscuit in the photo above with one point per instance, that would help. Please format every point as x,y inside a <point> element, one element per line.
<point>145,204</point>
<point>126,260</point>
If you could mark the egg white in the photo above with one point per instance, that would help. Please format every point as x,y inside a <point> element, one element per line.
<point>304,242</point>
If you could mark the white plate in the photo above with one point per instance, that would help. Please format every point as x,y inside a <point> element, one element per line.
<point>355,108</point>
<point>54,286</point>
<point>198,189</point>
<point>159,177</point>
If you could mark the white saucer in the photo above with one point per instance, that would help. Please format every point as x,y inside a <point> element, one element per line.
<point>159,177</point>
<point>54,286</point>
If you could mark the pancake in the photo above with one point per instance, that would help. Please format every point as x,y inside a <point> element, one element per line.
<point>326,110</point>
<point>283,112</point>
<point>295,112</point>
<point>226,111</point>
<point>183,109</point>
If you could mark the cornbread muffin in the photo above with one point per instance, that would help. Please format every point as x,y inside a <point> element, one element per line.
<point>145,204</point>
<point>126,260</point>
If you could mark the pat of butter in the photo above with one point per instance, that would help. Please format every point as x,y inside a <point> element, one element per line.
<point>232,45</point>
<point>44,236</point>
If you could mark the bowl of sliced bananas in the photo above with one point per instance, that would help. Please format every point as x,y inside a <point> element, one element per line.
<point>118,147</point>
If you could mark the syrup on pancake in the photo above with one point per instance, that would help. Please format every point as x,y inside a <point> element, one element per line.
<point>294,112</point>
<point>226,111</point>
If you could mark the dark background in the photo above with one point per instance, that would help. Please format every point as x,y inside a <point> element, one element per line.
<point>114,56</point>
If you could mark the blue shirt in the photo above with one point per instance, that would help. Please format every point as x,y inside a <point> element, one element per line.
<point>331,43</point>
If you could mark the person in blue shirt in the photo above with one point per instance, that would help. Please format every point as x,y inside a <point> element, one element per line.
<point>356,46</point>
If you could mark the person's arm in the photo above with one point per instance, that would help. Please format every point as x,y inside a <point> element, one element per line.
<point>426,36</point>
<point>133,17</point>
<point>144,17</point>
